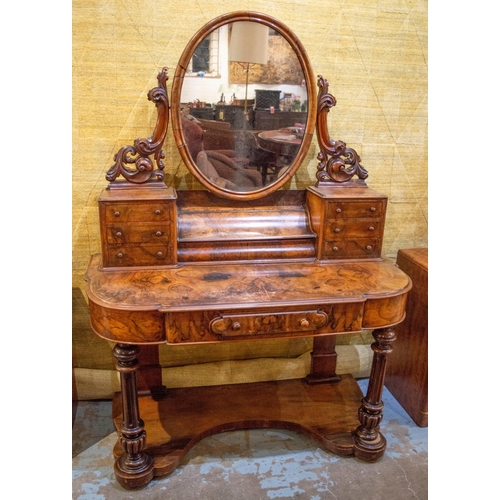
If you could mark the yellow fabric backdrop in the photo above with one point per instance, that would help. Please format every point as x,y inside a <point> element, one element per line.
<point>374,55</point>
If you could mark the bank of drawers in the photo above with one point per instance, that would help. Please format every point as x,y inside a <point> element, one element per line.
<point>353,229</point>
<point>137,234</point>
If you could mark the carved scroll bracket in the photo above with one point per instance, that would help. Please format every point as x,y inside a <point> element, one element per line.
<point>139,154</point>
<point>337,163</point>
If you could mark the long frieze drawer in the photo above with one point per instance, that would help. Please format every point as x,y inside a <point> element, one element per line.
<point>258,324</point>
<point>352,249</point>
<point>210,326</point>
<point>342,209</point>
<point>119,234</point>
<point>138,212</point>
<point>137,255</point>
<point>351,228</point>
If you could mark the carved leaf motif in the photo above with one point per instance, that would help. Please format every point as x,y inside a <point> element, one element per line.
<point>337,163</point>
<point>139,154</point>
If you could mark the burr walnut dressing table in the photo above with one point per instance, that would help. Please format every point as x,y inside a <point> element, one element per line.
<point>228,264</point>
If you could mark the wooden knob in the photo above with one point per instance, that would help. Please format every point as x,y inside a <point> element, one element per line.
<point>159,254</point>
<point>335,249</point>
<point>337,230</point>
<point>158,233</point>
<point>304,323</point>
<point>369,247</point>
<point>236,326</point>
<point>339,210</point>
<point>119,234</point>
<point>373,209</point>
<point>120,255</point>
<point>371,228</point>
<point>117,214</point>
<point>157,212</point>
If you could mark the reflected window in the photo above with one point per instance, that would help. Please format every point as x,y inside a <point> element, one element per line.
<point>206,57</point>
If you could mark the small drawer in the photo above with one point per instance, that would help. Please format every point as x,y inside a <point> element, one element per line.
<point>349,209</point>
<point>120,234</point>
<point>351,229</point>
<point>352,249</point>
<point>261,324</point>
<point>135,255</point>
<point>137,212</point>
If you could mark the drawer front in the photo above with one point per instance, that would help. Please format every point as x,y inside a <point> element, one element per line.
<point>352,249</point>
<point>363,228</point>
<point>120,234</point>
<point>227,325</point>
<point>348,209</point>
<point>143,255</point>
<point>138,212</point>
<point>259,324</point>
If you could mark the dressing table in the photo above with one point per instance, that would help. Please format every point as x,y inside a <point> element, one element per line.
<point>232,263</point>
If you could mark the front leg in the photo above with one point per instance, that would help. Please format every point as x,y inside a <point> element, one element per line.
<point>134,468</point>
<point>369,443</point>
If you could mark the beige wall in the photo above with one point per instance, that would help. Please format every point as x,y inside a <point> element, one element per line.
<point>374,55</point>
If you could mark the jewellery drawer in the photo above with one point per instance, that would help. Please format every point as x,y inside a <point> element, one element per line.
<point>351,228</point>
<point>137,212</point>
<point>362,247</point>
<point>291,321</point>
<point>119,234</point>
<point>346,209</point>
<point>137,255</point>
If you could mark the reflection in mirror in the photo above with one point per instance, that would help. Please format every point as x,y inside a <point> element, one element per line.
<point>243,122</point>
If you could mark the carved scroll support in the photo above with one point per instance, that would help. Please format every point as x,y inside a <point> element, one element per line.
<point>369,443</point>
<point>146,169</point>
<point>337,162</point>
<point>134,468</point>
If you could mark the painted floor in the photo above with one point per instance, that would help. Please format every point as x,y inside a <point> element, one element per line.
<point>258,464</point>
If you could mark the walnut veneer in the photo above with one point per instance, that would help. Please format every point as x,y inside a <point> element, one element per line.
<point>225,266</point>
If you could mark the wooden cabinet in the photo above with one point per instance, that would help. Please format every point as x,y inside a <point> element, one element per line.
<point>265,120</point>
<point>407,373</point>
<point>138,228</point>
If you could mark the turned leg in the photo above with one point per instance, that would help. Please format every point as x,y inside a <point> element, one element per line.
<point>134,468</point>
<point>369,443</point>
<point>323,361</point>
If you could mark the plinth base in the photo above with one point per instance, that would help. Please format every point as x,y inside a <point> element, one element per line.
<point>177,421</point>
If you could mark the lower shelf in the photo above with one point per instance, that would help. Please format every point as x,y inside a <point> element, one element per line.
<point>178,420</point>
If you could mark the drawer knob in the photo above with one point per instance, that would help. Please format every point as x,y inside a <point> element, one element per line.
<point>236,326</point>
<point>369,247</point>
<point>337,230</point>
<point>338,210</point>
<point>158,212</point>
<point>335,249</point>
<point>119,234</point>
<point>117,214</point>
<point>159,254</point>
<point>304,323</point>
<point>119,255</point>
<point>373,209</point>
<point>371,228</point>
<point>158,233</point>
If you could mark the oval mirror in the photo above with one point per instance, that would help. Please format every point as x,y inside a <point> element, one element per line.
<point>243,105</point>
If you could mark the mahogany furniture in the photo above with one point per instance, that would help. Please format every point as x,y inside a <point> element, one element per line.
<point>235,264</point>
<point>407,373</point>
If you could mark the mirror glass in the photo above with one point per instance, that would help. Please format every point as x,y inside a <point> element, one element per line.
<point>244,107</point>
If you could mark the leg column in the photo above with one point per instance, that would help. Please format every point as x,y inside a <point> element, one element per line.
<point>369,443</point>
<point>134,468</point>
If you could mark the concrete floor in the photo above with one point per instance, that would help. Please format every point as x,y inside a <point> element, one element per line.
<point>258,464</point>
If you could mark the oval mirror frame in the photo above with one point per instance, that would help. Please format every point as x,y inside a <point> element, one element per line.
<point>182,66</point>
